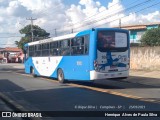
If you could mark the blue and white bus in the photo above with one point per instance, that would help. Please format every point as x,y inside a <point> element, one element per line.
<point>92,54</point>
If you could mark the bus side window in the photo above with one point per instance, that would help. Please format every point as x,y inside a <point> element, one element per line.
<point>65,47</point>
<point>54,48</point>
<point>45,49</point>
<point>31,51</point>
<point>77,46</point>
<point>81,45</point>
<point>73,48</point>
<point>86,44</point>
<point>25,52</point>
<point>37,50</point>
<point>59,47</point>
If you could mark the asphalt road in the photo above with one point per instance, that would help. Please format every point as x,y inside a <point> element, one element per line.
<point>41,94</point>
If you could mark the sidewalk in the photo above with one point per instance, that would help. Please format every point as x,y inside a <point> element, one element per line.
<point>149,74</point>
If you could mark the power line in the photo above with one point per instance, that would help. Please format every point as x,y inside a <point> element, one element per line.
<point>134,12</point>
<point>95,14</point>
<point>111,15</point>
<point>129,8</point>
<point>86,22</point>
<point>42,12</point>
<point>90,16</point>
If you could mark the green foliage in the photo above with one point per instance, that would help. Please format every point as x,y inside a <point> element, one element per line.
<point>37,31</point>
<point>151,37</point>
<point>22,41</point>
<point>38,34</point>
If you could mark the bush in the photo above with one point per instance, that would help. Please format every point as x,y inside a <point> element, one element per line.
<point>151,37</point>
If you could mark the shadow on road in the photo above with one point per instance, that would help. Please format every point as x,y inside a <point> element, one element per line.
<point>8,86</point>
<point>52,96</point>
<point>131,82</point>
<point>65,98</point>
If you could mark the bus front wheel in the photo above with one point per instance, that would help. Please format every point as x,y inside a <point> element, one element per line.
<point>60,76</point>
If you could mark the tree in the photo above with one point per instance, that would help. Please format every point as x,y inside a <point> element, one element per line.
<point>38,33</point>
<point>151,37</point>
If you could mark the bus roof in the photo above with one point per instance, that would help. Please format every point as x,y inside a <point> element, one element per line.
<point>52,39</point>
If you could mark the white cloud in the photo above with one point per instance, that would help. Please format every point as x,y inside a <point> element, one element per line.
<point>75,13</point>
<point>91,13</point>
<point>17,10</point>
<point>133,18</point>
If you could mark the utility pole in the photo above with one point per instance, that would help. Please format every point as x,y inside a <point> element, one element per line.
<point>55,30</point>
<point>119,23</point>
<point>31,19</point>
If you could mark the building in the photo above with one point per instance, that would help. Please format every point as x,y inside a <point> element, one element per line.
<point>11,55</point>
<point>136,31</point>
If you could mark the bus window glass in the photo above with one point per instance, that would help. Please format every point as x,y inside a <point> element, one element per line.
<point>31,51</point>
<point>53,45</point>
<point>120,39</point>
<point>54,48</point>
<point>86,42</point>
<point>109,40</point>
<point>45,49</point>
<point>38,50</point>
<point>64,47</point>
<point>77,46</point>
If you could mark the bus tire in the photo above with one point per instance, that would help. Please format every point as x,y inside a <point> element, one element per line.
<point>33,72</point>
<point>60,76</point>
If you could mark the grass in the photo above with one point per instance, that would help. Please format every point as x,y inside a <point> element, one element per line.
<point>145,58</point>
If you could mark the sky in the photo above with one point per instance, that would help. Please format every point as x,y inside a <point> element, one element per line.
<point>65,15</point>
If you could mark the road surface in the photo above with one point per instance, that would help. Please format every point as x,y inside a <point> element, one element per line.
<point>43,94</point>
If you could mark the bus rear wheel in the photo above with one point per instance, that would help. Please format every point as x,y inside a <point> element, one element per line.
<point>60,76</point>
<point>33,72</point>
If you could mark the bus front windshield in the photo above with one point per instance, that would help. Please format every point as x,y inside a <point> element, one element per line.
<point>111,40</point>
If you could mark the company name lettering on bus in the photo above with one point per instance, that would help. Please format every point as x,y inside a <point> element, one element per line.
<point>44,41</point>
<point>122,58</point>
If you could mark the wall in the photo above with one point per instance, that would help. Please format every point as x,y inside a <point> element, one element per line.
<point>145,58</point>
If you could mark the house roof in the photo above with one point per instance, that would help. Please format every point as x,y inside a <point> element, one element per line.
<point>135,27</point>
<point>12,49</point>
<point>138,26</point>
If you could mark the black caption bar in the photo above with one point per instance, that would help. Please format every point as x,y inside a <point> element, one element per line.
<point>82,114</point>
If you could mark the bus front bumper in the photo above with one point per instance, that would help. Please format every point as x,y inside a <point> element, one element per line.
<point>99,75</point>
